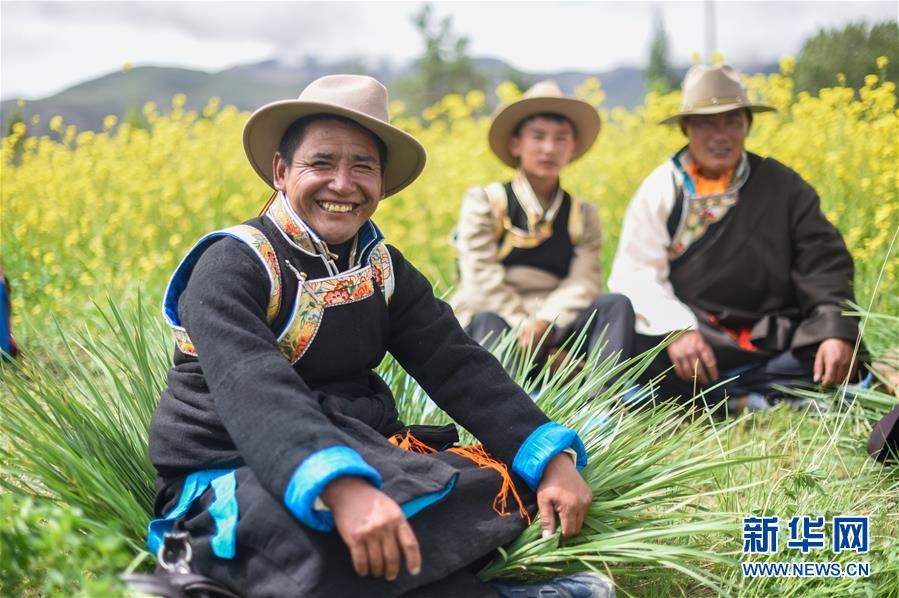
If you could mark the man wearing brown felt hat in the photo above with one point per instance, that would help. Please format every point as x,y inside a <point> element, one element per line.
<point>732,249</point>
<point>278,447</point>
<point>528,250</point>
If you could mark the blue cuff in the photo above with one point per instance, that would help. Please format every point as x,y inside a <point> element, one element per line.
<point>316,472</point>
<point>541,446</point>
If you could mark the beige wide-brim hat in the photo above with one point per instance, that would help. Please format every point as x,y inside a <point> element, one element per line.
<point>712,90</point>
<point>544,96</point>
<point>356,97</point>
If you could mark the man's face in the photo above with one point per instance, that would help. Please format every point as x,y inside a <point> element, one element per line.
<point>716,140</point>
<point>543,147</point>
<point>334,180</point>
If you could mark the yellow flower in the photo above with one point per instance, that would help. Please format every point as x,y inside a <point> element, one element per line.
<point>882,62</point>
<point>56,123</point>
<point>787,65</point>
<point>126,67</point>
<point>110,121</point>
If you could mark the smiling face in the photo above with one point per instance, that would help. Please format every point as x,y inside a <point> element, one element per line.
<point>716,140</point>
<point>543,147</point>
<point>333,180</point>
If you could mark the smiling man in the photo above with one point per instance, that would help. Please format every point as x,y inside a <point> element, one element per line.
<point>528,250</point>
<point>733,249</point>
<point>278,447</point>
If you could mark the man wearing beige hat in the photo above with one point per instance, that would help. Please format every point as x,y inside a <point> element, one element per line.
<point>528,250</point>
<point>278,448</point>
<point>733,249</point>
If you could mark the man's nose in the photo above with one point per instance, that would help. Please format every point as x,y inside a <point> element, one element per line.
<point>342,181</point>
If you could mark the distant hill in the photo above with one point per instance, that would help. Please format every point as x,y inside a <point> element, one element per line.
<point>249,86</point>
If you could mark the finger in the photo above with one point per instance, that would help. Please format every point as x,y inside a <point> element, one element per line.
<point>819,366</point>
<point>360,558</point>
<point>375,558</point>
<point>409,546</point>
<point>547,514</point>
<point>568,521</point>
<point>391,553</point>
<point>708,360</point>
<point>827,369</point>
<point>678,364</point>
<point>698,369</point>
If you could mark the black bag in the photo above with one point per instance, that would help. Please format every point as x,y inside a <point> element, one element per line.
<point>173,577</point>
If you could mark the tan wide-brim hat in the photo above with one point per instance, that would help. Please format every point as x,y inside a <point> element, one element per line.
<point>543,97</point>
<point>712,90</point>
<point>356,97</point>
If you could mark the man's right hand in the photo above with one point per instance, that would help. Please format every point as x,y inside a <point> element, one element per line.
<point>692,356</point>
<point>373,527</point>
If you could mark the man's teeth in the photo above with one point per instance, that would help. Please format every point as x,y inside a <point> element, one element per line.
<point>336,207</point>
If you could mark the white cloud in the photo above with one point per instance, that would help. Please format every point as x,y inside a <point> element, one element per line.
<point>47,46</point>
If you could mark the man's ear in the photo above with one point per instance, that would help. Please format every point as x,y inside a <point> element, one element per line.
<point>515,146</point>
<point>279,172</point>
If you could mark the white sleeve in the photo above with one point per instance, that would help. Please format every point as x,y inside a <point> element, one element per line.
<point>640,270</point>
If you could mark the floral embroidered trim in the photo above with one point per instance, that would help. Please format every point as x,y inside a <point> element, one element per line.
<point>253,238</point>
<point>382,269</point>
<point>315,296</point>
<point>344,288</point>
<point>302,326</point>
<point>701,211</point>
<point>290,225</point>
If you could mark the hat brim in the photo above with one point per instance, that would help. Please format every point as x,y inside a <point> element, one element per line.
<point>583,115</point>
<point>263,132</point>
<point>716,109</point>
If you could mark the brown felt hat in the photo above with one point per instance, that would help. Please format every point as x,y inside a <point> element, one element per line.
<point>544,96</point>
<point>712,90</point>
<point>356,97</point>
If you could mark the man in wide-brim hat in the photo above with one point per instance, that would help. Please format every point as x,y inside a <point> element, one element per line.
<point>278,448</point>
<point>732,249</point>
<point>528,250</point>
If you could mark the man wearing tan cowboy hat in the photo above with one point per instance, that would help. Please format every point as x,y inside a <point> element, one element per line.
<point>733,248</point>
<point>277,446</point>
<point>528,250</point>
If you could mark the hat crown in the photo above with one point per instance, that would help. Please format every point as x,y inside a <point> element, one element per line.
<point>712,85</point>
<point>358,93</point>
<point>544,89</point>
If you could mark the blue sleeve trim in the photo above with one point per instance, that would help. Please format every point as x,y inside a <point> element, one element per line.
<point>224,510</point>
<point>316,472</point>
<point>420,503</point>
<point>541,446</point>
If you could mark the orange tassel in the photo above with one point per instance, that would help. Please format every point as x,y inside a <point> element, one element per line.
<point>410,443</point>
<point>476,454</point>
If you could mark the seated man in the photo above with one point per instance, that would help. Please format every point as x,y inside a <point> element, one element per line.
<point>529,251</point>
<point>277,446</point>
<point>733,248</point>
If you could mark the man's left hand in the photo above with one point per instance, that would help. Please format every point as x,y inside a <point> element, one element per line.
<point>833,361</point>
<point>532,333</point>
<point>562,490</point>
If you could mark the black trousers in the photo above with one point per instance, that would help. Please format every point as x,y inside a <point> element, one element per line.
<point>789,368</point>
<point>608,323</point>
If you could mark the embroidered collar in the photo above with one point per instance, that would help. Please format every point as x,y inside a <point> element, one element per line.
<point>684,163</point>
<point>301,236</point>
<point>700,212</point>
<point>529,201</point>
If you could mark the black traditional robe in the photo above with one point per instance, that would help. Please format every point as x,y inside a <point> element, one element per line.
<point>241,405</point>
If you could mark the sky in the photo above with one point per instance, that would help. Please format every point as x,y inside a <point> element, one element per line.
<point>46,47</point>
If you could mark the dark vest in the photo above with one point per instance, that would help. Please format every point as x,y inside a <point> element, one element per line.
<point>554,255</point>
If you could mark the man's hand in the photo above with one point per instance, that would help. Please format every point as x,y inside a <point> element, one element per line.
<point>832,361</point>
<point>562,490</point>
<point>691,355</point>
<point>373,527</point>
<point>532,333</point>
